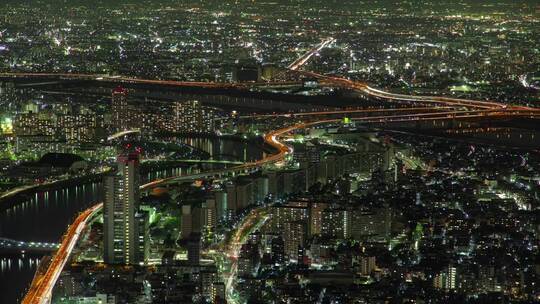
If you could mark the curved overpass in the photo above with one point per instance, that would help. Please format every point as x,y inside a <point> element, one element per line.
<point>41,288</point>
<point>415,99</point>
<point>122,133</point>
<point>439,109</point>
<point>430,99</point>
<point>329,80</point>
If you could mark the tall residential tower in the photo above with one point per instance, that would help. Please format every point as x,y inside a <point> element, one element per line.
<point>125,226</point>
<point>119,110</point>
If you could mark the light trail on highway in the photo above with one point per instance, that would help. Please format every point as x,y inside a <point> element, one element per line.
<point>42,285</point>
<point>329,80</point>
<point>429,99</point>
<point>304,58</point>
<point>41,289</point>
<point>122,133</point>
<point>344,112</point>
<point>252,222</point>
<point>119,79</point>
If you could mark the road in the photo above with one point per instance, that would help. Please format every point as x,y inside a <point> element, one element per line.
<point>41,289</point>
<point>304,58</point>
<point>361,87</point>
<point>117,79</point>
<point>120,80</point>
<point>345,112</point>
<point>122,133</point>
<point>9,244</point>
<point>252,222</point>
<point>196,161</point>
<point>407,99</point>
<point>429,99</point>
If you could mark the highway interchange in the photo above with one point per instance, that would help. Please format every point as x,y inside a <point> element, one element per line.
<point>422,108</point>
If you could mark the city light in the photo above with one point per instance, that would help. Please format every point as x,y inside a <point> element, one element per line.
<point>269,152</point>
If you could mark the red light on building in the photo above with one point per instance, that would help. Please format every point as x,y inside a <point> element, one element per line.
<point>119,90</point>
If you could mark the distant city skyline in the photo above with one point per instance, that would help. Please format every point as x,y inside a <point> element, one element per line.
<point>269,151</point>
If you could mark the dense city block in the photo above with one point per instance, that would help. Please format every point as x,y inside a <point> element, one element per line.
<point>161,151</point>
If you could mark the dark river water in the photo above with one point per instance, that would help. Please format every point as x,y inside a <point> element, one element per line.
<point>45,215</point>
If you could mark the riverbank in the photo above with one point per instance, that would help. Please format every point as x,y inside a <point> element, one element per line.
<point>17,197</point>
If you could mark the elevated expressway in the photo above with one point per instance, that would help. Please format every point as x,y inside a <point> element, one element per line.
<point>9,245</point>
<point>41,288</point>
<point>360,87</point>
<point>425,109</point>
<point>122,133</point>
<point>52,78</point>
<point>304,58</point>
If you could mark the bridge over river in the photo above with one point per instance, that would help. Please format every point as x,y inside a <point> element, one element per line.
<point>12,246</point>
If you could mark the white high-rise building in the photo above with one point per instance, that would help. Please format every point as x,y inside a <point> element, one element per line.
<point>125,226</point>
